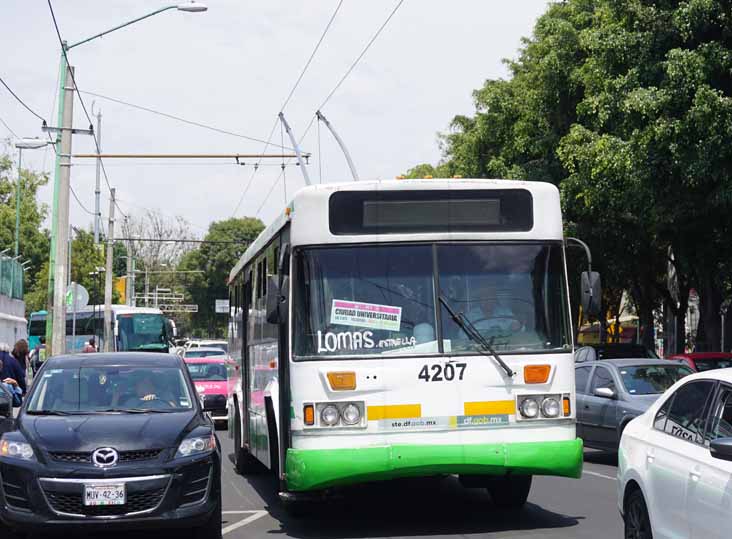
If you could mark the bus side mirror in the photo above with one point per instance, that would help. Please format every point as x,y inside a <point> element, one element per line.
<point>591,293</point>
<point>276,301</point>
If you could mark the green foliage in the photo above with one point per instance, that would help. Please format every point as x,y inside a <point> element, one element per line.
<point>217,260</point>
<point>626,105</point>
<point>34,239</point>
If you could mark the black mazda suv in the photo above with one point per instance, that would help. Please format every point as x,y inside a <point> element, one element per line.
<point>114,441</point>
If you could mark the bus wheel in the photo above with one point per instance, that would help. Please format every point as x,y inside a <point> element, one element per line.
<point>244,462</point>
<point>510,492</point>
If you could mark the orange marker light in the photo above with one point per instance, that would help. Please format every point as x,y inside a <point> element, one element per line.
<point>566,407</point>
<point>536,374</point>
<point>342,381</point>
<point>309,414</point>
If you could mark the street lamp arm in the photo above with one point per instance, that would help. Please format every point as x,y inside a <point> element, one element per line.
<point>68,47</point>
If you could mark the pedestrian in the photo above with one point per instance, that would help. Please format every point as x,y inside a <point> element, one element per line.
<point>38,355</point>
<point>11,368</point>
<point>20,353</point>
<point>89,347</point>
<point>12,387</point>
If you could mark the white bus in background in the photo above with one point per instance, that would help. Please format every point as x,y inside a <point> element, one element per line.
<point>406,328</point>
<point>136,329</point>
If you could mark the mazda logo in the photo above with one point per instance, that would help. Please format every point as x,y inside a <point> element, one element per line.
<point>104,457</point>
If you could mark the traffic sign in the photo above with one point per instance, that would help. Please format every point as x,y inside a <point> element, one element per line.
<point>77,297</point>
<point>178,308</point>
<point>222,306</point>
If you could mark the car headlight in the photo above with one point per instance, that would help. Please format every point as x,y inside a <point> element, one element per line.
<point>15,449</point>
<point>329,415</point>
<point>529,408</point>
<point>351,415</point>
<point>550,407</point>
<point>196,445</point>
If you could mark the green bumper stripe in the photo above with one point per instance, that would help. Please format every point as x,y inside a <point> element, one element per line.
<point>312,469</point>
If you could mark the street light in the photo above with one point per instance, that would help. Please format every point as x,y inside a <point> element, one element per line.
<point>24,144</point>
<point>56,321</point>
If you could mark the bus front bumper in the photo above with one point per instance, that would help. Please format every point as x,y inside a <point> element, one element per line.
<point>315,469</point>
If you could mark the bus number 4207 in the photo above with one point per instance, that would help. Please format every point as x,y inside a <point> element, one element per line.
<point>442,373</point>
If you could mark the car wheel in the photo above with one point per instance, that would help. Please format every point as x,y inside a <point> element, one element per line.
<point>510,492</point>
<point>637,521</point>
<point>244,462</point>
<point>212,528</point>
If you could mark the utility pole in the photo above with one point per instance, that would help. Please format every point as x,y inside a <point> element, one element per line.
<point>59,269</point>
<point>108,333</point>
<point>128,280</point>
<point>147,285</point>
<point>97,191</point>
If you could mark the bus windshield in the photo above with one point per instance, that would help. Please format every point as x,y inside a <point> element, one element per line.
<point>380,300</point>
<point>141,332</point>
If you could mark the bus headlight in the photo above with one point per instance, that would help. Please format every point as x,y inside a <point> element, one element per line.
<point>351,415</point>
<point>329,415</point>
<point>537,407</point>
<point>550,407</point>
<point>529,408</point>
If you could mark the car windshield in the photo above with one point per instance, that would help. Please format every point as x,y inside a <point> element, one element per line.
<point>380,300</point>
<point>212,372</point>
<point>219,345</point>
<point>710,363</point>
<point>104,389</point>
<point>204,353</point>
<point>652,379</point>
<point>141,332</point>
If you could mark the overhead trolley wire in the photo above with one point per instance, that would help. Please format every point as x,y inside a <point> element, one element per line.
<point>178,118</point>
<point>287,100</point>
<point>338,85</point>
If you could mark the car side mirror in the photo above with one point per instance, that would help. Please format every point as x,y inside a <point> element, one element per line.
<point>591,289</point>
<point>721,448</point>
<point>276,300</point>
<point>604,392</point>
<point>6,403</point>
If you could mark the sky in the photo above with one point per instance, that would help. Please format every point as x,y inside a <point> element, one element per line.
<point>232,68</point>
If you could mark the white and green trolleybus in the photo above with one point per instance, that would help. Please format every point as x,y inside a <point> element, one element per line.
<point>406,328</point>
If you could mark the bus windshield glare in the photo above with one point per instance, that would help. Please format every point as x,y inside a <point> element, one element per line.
<point>381,300</point>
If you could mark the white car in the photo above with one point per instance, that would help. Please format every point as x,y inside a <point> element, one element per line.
<point>675,462</point>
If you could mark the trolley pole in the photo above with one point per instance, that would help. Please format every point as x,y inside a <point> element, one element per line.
<point>108,333</point>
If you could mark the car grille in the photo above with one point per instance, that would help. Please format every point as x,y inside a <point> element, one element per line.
<point>124,456</point>
<point>15,491</point>
<point>196,485</point>
<point>73,504</point>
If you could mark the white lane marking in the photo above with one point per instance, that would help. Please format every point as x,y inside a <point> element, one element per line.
<point>257,515</point>
<point>600,475</point>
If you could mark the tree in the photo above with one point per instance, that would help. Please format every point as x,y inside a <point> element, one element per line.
<point>217,260</point>
<point>34,238</point>
<point>625,105</point>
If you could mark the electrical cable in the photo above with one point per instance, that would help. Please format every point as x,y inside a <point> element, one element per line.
<point>79,202</point>
<point>363,52</point>
<point>81,100</point>
<point>312,55</point>
<point>8,128</point>
<point>287,100</point>
<point>343,78</point>
<point>34,113</point>
<point>178,118</point>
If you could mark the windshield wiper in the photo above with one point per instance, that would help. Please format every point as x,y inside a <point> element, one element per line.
<point>472,332</point>
<point>131,411</point>
<point>52,412</point>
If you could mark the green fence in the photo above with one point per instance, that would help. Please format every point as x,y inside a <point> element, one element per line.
<point>11,278</point>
